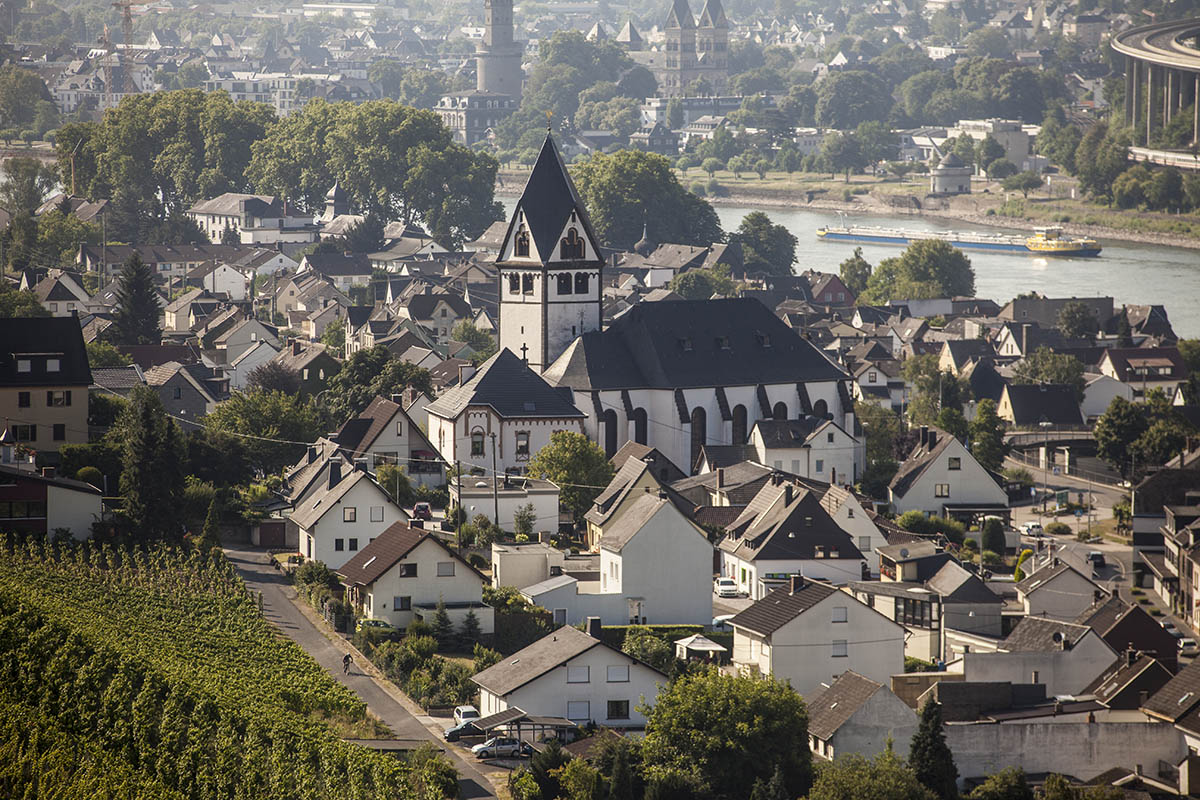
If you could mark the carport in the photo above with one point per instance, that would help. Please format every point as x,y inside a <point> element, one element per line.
<point>519,725</point>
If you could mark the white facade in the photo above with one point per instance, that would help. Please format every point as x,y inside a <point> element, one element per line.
<point>349,524</point>
<point>431,574</point>
<point>751,576</point>
<point>1063,671</point>
<point>467,439</point>
<point>849,514</point>
<point>816,646</point>
<point>884,718</point>
<point>224,279</point>
<point>519,565</point>
<point>954,478</point>
<point>71,509</point>
<point>584,689</point>
<point>1099,392</point>
<point>829,454</point>
<point>507,500</point>
<point>1063,596</point>
<point>250,359</point>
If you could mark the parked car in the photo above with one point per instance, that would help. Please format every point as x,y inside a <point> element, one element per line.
<point>498,747</point>
<point>468,728</point>
<point>1033,529</point>
<point>720,624</point>
<point>1170,628</point>
<point>422,510</point>
<point>1097,559</point>
<point>372,624</point>
<point>464,713</point>
<point>1187,646</point>
<point>726,587</point>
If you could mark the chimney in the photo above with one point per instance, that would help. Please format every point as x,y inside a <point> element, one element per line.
<point>465,373</point>
<point>1097,595</point>
<point>931,440</point>
<point>593,627</point>
<point>1131,656</point>
<point>796,583</point>
<point>720,477</point>
<point>47,472</point>
<point>296,347</point>
<point>335,473</point>
<point>924,434</point>
<point>312,453</point>
<point>787,495</point>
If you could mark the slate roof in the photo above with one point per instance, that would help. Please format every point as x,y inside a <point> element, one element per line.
<point>339,263</point>
<point>1052,402</point>
<point>230,204</point>
<point>382,552</point>
<point>1178,697</point>
<point>626,526</point>
<point>37,477</point>
<point>506,384</point>
<point>422,306</point>
<point>1113,680</point>
<point>780,607</point>
<point>787,433</point>
<point>1042,635</point>
<point>789,530</point>
<point>955,583</point>
<point>118,379</point>
<point>56,337</point>
<point>532,662</point>
<point>1043,577</point>
<point>357,433</point>
<point>692,343</point>
<point>325,498</point>
<point>833,707</point>
<point>921,457</point>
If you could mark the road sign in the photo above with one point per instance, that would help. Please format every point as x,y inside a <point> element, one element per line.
<point>1062,497</point>
<point>1057,470</point>
<point>1078,513</point>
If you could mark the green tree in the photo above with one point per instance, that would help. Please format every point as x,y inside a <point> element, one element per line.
<point>480,341</point>
<point>26,183</point>
<point>23,303</point>
<point>702,284</point>
<point>987,151</point>
<point>1007,784</point>
<point>579,780</point>
<point>675,113</point>
<point>210,535</point>
<point>544,766</point>
<point>1046,366</point>
<point>988,42</point>
<point>1076,320</point>
<point>645,646</point>
<point>273,376</point>
<point>1165,438</point>
<point>933,389</point>
<point>855,272</point>
<point>21,90</point>
<point>388,73</point>
<point>620,777</point>
<point>1001,169</point>
<point>1023,182</point>
<point>770,790</point>
<point>952,421</point>
<point>929,757</point>
<point>334,338</point>
<point>927,268</point>
<point>855,777</point>
<point>260,416</point>
<point>847,99</point>
<point>59,236</point>
<point>577,465</point>
<point>1122,424</point>
<point>369,374</point>
<point>1018,571</point>
<point>992,535</point>
<point>103,354</point>
<point>751,726</point>
<point>136,319</point>
<point>712,166</point>
<point>151,465</point>
<point>393,479</point>
<point>986,434</point>
<point>443,628</point>
<point>631,189</point>
<point>840,152</point>
<point>766,247</point>
<point>524,518</point>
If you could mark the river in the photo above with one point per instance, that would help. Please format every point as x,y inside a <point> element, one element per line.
<point>1132,273</point>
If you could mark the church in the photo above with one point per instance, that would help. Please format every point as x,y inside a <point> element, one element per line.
<point>674,375</point>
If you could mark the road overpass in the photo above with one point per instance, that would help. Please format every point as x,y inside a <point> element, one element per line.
<point>1162,74</point>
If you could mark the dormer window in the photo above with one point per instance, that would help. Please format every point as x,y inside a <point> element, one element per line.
<point>685,345</point>
<point>763,340</point>
<point>722,342</point>
<point>522,246</point>
<point>571,246</point>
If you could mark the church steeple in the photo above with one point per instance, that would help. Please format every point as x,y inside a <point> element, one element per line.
<point>550,265</point>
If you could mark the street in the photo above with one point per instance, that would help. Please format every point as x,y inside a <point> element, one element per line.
<point>253,566</point>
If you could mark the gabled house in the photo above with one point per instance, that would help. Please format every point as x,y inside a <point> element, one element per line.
<point>1027,406</point>
<point>403,573</point>
<point>341,514</point>
<point>1129,681</point>
<point>251,357</point>
<point>184,390</point>
<point>807,633</point>
<point>856,715</point>
<point>439,312</point>
<point>1178,703</point>
<point>1145,368</point>
<point>62,294</point>
<point>1058,591</point>
<point>811,447</point>
<point>311,362</point>
<point>44,380</point>
<point>218,277</point>
<point>42,503</point>
<point>879,382</point>
<point>1129,625</point>
<point>505,409</point>
<point>941,478</point>
<point>785,531</point>
<point>571,674</point>
<point>343,270</point>
<point>384,434</point>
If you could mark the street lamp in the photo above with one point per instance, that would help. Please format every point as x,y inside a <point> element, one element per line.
<point>1044,424</point>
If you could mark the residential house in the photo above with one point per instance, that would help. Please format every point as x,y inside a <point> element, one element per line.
<point>525,563</point>
<point>856,715</point>
<point>183,312</point>
<point>1099,393</point>
<point>62,294</point>
<point>1178,703</point>
<point>879,382</point>
<point>42,503</point>
<point>244,334</point>
<point>249,359</point>
<point>1027,406</point>
<point>811,447</point>
<point>187,391</point>
<point>1044,311</point>
<point>439,312</point>
<point>808,633</point>
<point>404,573</point>
<point>384,434</point>
<point>1058,591</point>
<point>343,270</point>
<point>44,380</point>
<point>1145,368</point>
<point>786,531</point>
<point>217,277</point>
<point>941,478</point>
<point>500,417</point>
<point>254,219</point>
<point>117,380</point>
<point>571,674</point>
<point>1131,679</point>
<point>1130,626</point>
<point>311,362</point>
<point>827,289</point>
<point>341,514</point>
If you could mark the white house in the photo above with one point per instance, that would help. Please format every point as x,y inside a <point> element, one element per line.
<point>1058,591</point>
<point>655,568</point>
<point>1099,392</point>
<point>41,503</point>
<point>384,434</point>
<point>860,716</point>
<point>255,219</point>
<point>940,477</point>
<point>808,633</point>
<point>404,573</point>
<point>525,564</point>
<point>811,447</point>
<point>251,358</point>
<point>786,531</point>
<point>220,278</point>
<point>341,514</point>
<point>500,417</point>
<point>571,674</point>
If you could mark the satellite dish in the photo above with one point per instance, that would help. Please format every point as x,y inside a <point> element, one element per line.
<point>1057,637</point>
<point>904,552</point>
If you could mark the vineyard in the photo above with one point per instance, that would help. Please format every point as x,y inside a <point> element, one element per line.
<point>149,672</point>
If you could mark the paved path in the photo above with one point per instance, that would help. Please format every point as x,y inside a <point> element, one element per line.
<point>254,567</point>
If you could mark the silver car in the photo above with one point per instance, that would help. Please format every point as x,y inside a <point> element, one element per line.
<point>498,747</point>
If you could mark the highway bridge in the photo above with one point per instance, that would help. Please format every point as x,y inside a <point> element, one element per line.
<point>1162,74</point>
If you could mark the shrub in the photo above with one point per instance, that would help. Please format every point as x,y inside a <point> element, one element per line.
<point>92,476</point>
<point>1058,529</point>
<point>697,188</point>
<point>912,664</point>
<point>714,187</point>
<point>990,558</point>
<point>315,573</point>
<point>478,562</point>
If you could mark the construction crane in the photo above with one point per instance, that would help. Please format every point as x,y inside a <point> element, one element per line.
<point>126,7</point>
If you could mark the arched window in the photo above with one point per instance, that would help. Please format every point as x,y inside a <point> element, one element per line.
<point>739,425</point>
<point>581,283</point>
<point>639,425</point>
<point>522,248</point>
<point>564,283</point>
<point>699,433</point>
<point>821,409</point>
<point>477,443</point>
<point>610,433</point>
<point>514,283</point>
<point>571,246</point>
<point>779,411</point>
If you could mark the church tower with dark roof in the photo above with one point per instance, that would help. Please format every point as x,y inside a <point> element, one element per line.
<point>550,266</point>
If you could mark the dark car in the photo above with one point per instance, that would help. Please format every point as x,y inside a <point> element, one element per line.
<point>422,510</point>
<point>459,731</point>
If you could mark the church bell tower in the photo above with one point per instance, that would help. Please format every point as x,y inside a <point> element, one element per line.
<point>550,266</point>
